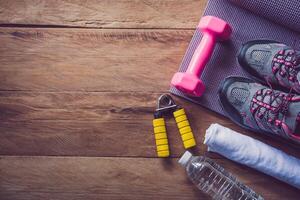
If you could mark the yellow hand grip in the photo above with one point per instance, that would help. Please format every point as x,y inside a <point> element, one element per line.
<point>184,128</point>
<point>161,139</point>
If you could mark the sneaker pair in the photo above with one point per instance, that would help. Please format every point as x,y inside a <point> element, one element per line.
<point>261,108</point>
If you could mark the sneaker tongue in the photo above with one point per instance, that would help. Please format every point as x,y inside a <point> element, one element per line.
<point>294,107</point>
<point>291,116</point>
<point>297,59</point>
<point>298,55</point>
<point>298,75</point>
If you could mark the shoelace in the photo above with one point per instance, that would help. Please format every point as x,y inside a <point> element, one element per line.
<point>272,112</point>
<point>285,63</point>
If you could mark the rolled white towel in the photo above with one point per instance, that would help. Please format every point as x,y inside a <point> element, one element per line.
<point>253,153</point>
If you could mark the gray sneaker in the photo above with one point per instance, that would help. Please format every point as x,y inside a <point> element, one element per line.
<point>272,62</point>
<point>261,109</point>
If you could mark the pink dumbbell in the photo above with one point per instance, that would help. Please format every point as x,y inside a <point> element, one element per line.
<point>188,82</point>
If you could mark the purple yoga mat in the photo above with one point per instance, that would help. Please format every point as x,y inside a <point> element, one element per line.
<point>283,12</point>
<point>246,26</point>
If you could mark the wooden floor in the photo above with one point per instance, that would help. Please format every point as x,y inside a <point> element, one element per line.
<point>78,86</point>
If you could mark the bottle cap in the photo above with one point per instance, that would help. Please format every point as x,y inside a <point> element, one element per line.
<point>185,158</point>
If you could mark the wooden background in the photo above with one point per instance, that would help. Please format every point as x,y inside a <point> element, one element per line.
<point>78,86</point>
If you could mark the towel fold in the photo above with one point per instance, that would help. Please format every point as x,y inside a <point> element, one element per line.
<point>253,153</point>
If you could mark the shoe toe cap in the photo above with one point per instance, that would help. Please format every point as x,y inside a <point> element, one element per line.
<point>254,57</point>
<point>235,91</point>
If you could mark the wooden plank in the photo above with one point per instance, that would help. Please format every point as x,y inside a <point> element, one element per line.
<point>116,178</point>
<point>72,123</point>
<point>90,59</point>
<point>95,124</point>
<point>103,13</point>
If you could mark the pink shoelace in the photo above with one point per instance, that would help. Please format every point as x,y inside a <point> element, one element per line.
<point>284,63</point>
<point>274,109</point>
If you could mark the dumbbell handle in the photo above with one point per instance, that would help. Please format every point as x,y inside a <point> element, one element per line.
<point>202,54</point>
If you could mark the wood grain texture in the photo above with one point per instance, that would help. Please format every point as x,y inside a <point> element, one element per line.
<point>86,124</point>
<point>103,13</point>
<point>79,92</point>
<point>90,60</point>
<point>89,92</point>
<point>115,178</point>
<point>95,124</point>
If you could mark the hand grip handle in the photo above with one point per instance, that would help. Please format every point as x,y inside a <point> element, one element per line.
<point>185,130</point>
<point>161,139</point>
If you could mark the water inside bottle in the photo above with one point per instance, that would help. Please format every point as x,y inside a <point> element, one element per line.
<point>213,180</point>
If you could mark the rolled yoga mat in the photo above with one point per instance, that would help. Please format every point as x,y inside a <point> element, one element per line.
<point>283,12</point>
<point>253,153</point>
<point>280,20</point>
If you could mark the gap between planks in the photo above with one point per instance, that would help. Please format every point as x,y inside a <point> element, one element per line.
<point>33,26</point>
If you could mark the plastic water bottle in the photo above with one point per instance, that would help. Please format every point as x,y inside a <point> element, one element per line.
<point>213,180</point>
